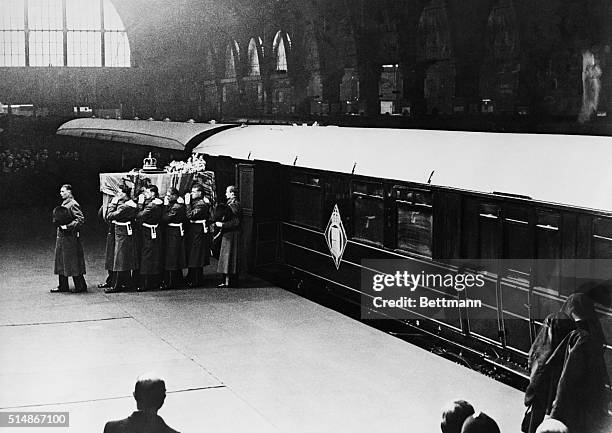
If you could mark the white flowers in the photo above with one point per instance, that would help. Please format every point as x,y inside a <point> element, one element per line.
<point>194,164</point>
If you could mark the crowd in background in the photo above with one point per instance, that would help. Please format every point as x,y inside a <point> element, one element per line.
<point>33,161</point>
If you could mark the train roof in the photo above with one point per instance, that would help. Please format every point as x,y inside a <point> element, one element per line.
<point>167,135</point>
<point>562,169</point>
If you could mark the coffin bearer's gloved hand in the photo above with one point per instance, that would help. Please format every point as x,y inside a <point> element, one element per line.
<point>166,201</point>
<point>141,199</point>
<point>180,200</point>
<point>187,198</point>
<point>115,199</point>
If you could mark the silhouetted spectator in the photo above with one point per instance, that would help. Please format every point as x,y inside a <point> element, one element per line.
<point>454,414</point>
<point>150,393</point>
<point>480,423</point>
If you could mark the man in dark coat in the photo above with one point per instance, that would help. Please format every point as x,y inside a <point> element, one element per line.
<point>580,401</point>
<point>198,239</point>
<point>546,358</point>
<point>150,208</point>
<point>69,257</point>
<point>121,212</point>
<point>568,377</point>
<point>230,238</point>
<point>174,216</point>
<point>150,394</point>
<point>109,251</point>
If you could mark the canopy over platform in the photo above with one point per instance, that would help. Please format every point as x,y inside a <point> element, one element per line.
<point>561,169</point>
<point>168,135</point>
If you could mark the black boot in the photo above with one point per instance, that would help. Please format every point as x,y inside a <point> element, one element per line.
<point>118,283</point>
<point>109,281</point>
<point>79,284</point>
<point>62,286</point>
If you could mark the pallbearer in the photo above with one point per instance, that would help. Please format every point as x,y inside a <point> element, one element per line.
<point>121,212</point>
<point>198,239</point>
<point>150,208</point>
<point>175,217</point>
<point>69,257</point>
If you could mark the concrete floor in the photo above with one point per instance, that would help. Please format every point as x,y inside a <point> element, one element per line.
<point>257,359</point>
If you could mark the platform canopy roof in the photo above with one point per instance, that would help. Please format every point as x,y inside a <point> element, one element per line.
<point>167,135</point>
<point>563,169</point>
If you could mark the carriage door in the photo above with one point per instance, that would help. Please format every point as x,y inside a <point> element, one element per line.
<point>517,274</point>
<point>245,180</point>
<point>486,321</point>
<point>267,210</point>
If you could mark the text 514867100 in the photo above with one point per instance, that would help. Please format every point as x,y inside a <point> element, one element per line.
<point>34,419</point>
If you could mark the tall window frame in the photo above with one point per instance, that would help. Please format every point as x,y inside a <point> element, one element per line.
<point>281,48</point>
<point>68,33</point>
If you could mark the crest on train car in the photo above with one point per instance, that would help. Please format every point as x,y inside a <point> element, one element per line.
<point>335,235</point>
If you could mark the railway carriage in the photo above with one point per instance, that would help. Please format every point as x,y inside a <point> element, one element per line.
<point>530,214</point>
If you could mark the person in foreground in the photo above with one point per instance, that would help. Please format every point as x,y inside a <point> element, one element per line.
<point>454,414</point>
<point>568,373</point>
<point>69,257</point>
<point>150,393</point>
<point>479,423</point>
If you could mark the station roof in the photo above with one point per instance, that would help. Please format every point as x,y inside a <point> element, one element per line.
<point>167,135</point>
<point>562,169</point>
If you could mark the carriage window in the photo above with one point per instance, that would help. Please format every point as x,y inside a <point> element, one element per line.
<point>602,247</point>
<point>489,236</point>
<point>414,220</point>
<point>369,208</point>
<point>548,250</point>
<point>306,199</point>
<point>517,251</point>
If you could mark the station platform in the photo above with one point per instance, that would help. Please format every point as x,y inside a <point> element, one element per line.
<point>252,359</point>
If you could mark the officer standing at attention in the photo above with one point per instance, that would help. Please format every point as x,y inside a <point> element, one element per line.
<point>69,257</point>
<point>198,239</point>
<point>174,216</point>
<point>109,251</point>
<point>150,208</point>
<point>121,212</point>
<point>229,255</point>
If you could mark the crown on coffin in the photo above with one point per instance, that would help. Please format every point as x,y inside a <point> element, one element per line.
<point>149,163</point>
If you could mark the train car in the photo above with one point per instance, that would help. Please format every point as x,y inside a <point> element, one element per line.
<point>326,208</point>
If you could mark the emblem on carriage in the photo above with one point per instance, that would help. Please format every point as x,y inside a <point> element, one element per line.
<point>335,235</point>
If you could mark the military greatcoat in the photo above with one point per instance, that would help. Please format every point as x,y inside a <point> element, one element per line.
<point>229,255</point>
<point>198,237</point>
<point>149,216</point>
<point>122,216</point>
<point>173,215</point>
<point>69,257</point>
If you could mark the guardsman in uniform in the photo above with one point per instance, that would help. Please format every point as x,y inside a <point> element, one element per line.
<point>69,257</point>
<point>109,251</point>
<point>175,217</point>
<point>121,212</point>
<point>198,239</point>
<point>149,215</point>
<point>229,256</point>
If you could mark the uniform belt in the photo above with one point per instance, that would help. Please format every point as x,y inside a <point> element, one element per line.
<point>203,222</point>
<point>128,226</point>
<point>153,228</point>
<point>179,225</point>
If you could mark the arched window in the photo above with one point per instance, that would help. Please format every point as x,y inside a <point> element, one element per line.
<point>232,53</point>
<point>209,65</point>
<point>62,33</point>
<point>254,58</point>
<point>280,50</point>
